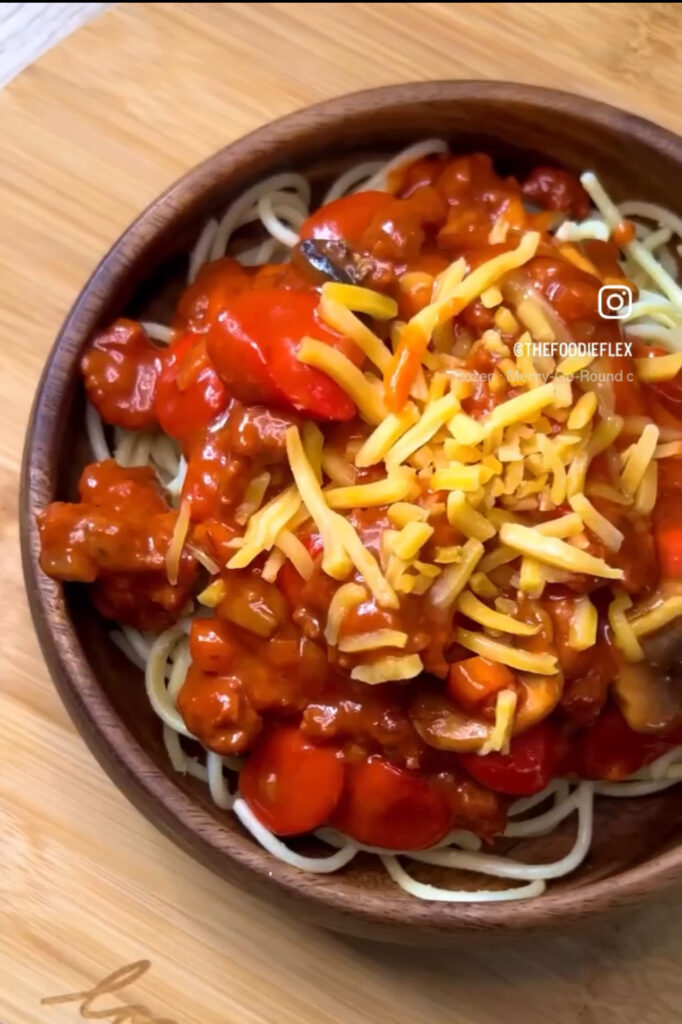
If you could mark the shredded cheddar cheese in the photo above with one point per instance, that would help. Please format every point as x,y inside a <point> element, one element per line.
<point>479,612</point>
<point>521,409</point>
<point>335,560</point>
<point>494,650</point>
<point>482,586</point>
<point>411,540</point>
<point>583,411</point>
<point>346,598</point>
<point>213,594</point>
<point>532,578</point>
<point>482,278</point>
<point>273,563</point>
<point>645,495</point>
<point>573,365</point>
<point>500,480</point>
<point>461,478</point>
<point>342,546</point>
<point>435,416</point>
<point>177,543</point>
<point>582,633</point>
<point>639,457</point>
<point>599,524</point>
<point>624,635</point>
<point>565,526</point>
<point>555,466</point>
<point>505,321</point>
<point>297,553</point>
<point>470,522</point>
<point>448,554</point>
<point>388,669</point>
<point>498,740</point>
<point>598,489</point>
<point>658,368</point>
<point>361,300</point>
<point>263,527</point>
<point>253,498</point>
<point>373,641</point>
<point>402,512</point>
<point>465,429</point>
<point>400,485</point>
<point>649,621</point>
<point>531,316</point>
<point>499,556</point>
<point>491,297</point>
<point>454,578</point>
<point>378,444</point>
<point>554,552</point>
<point>339,471</point>
<point>366,394</point>
<point>336,315</point>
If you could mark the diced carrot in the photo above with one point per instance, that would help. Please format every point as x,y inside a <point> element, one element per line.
<point>404,367</point>
<point>474,680</point>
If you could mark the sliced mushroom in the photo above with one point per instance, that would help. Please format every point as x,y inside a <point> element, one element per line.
<point>442,725</point>
<point>538,696</point>
<point>665,646</point>
<point>326,260</point>
<point>330,259</point>
<point>650,700</point>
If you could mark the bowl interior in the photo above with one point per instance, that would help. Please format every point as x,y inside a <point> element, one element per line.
<point>634,840</point>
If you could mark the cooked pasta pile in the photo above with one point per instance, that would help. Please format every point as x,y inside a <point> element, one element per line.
<point>516,480</point>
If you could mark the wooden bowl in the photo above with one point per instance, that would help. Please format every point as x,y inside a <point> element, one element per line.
<point>638,843</point>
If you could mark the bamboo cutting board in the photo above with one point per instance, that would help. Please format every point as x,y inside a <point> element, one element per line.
<point>100,916</point>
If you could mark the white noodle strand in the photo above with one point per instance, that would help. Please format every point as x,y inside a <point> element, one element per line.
<point>154,680</point>
<point>124,645</point>
<point>353,176</point>
<point>158,332</point>
<point>274,225</point>
<point>628,789</point>
<point>423,891</point>
<point>202,248</point>
<point>275,846</point>
<point>216,781</point>
<point>503,867</point>
<point>240,206</point>
<point>459,838</point>
<point>652,211</point>
<point>137,641</point>
<point>527,803</point>
<point>543,823</point>
<point>95,431</point>
<point>429,147</point>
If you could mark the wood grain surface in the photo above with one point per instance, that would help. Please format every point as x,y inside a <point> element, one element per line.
<point>91,133</point>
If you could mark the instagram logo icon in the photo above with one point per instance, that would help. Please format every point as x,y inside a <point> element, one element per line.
<point>615,301</point>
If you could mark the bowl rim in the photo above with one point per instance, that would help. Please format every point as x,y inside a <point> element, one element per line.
<point>164,803</point>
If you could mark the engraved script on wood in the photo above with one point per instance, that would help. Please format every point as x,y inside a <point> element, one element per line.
<point>90,1000</point>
